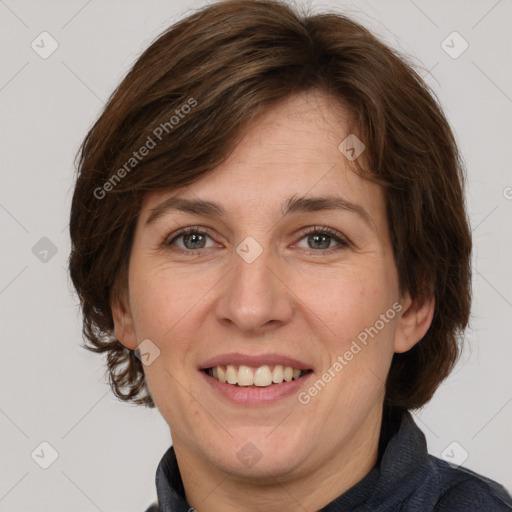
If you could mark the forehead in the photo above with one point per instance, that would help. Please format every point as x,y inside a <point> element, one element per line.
<point>290,150</point>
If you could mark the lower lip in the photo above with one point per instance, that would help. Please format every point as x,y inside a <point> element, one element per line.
<point>247,395</point>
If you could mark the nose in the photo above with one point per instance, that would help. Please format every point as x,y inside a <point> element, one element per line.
<point>255,296</point>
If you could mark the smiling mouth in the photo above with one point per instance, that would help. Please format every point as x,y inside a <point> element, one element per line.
<point>262,376</point>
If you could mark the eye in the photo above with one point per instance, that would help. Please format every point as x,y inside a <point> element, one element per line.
<point>321,238</point>
<point>188,239</point>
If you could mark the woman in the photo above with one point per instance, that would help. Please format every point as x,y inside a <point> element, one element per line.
<point>270,242</point>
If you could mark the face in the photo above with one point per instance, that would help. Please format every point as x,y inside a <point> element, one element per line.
<point>277,265</point>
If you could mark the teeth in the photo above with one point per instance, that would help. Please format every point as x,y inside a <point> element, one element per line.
<point>262,376</point>
<point>231,374</point>
<point>245,376</point>
<point>278,374</point>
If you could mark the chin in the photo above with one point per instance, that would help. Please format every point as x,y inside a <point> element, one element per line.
<point>254,453</point>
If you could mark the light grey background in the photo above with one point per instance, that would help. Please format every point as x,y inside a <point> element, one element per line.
<point>53,390</point>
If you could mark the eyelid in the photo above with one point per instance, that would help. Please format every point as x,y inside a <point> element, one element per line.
<point>188,230</point>
<point>341,239</point>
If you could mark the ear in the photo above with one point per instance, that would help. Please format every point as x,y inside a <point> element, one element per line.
<point>124,328</point>
<point>414,322</point>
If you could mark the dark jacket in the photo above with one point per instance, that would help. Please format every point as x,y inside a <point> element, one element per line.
<point>405,479</point>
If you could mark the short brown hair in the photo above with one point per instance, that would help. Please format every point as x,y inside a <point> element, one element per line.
<point>228,62</point>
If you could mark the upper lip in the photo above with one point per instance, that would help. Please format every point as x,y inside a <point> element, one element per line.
<point>237,358</point>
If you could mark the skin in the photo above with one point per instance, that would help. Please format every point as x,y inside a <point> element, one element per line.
<point>295,299</point>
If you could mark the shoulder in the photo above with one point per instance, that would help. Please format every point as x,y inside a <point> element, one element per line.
<point>464,490</point>
<point>153,508</point>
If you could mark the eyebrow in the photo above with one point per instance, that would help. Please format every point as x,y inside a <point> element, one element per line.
<point>292,205</point>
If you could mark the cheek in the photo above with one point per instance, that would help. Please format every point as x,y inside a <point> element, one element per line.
<point>165,311</point>
<point>350,299</point>
<point>355,322</point>
<point>163,301</point>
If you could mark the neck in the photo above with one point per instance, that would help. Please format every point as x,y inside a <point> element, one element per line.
<point>308,488</point>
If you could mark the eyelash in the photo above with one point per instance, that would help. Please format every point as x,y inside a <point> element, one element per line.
<point>343,243</point>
